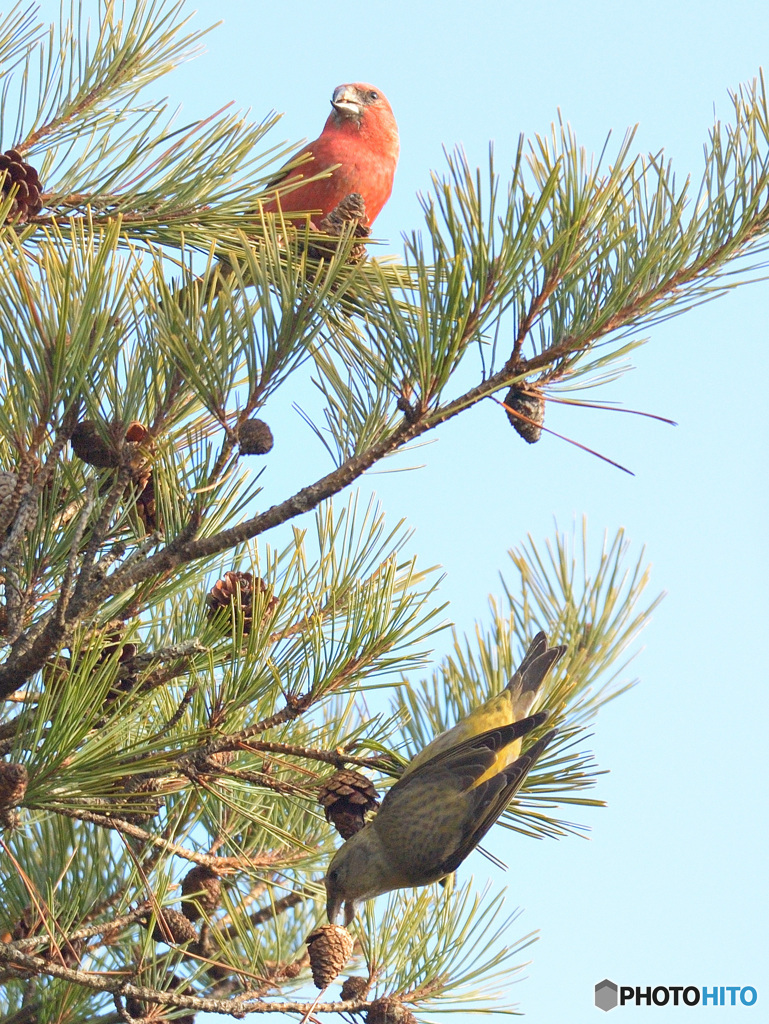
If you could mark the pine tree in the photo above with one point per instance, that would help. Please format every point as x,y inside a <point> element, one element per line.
<point>182,692</point>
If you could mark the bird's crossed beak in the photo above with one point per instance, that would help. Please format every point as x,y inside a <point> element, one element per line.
<point>346,101</point>
<point>334,907</point>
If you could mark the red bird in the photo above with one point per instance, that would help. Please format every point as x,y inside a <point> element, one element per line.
<point>361,137</point>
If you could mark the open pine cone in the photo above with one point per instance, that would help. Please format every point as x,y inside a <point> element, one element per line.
<point>330,947</point>
<point>530,403</point>
<point>389,1010</point>
<point>237,588</point>
<point>352,209</point>
<point>15,172</point>
<point>346,796</point>
<point>201,890</point>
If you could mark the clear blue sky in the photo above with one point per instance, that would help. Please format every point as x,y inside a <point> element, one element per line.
<point>671,887</point>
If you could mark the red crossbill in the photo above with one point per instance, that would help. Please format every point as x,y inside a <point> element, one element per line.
<point>449,796</point>
<point>361,137</point>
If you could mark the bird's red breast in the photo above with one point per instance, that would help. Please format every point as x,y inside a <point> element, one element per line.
<point>361,136</point>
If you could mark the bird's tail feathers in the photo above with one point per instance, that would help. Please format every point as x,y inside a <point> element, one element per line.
<point>531,673</point>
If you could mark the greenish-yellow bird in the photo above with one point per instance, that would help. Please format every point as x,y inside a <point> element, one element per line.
<point>448,797</point>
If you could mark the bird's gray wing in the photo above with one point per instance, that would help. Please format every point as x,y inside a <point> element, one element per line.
<point>436,815</point>
<point>490,799</point>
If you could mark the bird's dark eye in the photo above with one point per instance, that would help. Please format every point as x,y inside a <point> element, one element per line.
<point>333,875</point>
<point>373,95</point>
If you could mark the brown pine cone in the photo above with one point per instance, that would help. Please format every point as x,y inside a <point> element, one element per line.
<point>330,947</point>
<point>174,927</point>
<point>254,438</point>
<point>127,671</point>
<point>28,924</point>
<point>201,891</point>
<point>222,758</point>
<point>15,171</point>
<point>354,988</point>
<point>389,1010</point>
<point>13,783</point>
<point>146,507</point>
<point>346,796</point>
<point>236,589</point>
<point>89,446</point>
<point>142,786</point>
<point>529,402</point>
<point>351,209</point>
<point>153,1012</point>
<point>141,451</point>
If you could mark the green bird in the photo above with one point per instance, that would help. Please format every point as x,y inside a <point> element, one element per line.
<point>448,797</point>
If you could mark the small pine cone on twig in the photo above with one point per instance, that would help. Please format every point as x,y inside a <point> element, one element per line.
<point>389,1010</point>
<point>16,172</point>
<point>148,1012</point>
<point>530,403</point>
<point>142,787</point>
<point>346,796</point>
<point>201,891</point>
<point>89,446</point>
<point>127,673</point>
<point>171,926</point>
<point>354,988</point>
<point>141,452</point>
<point>330,947</point>
<point>147,509</point>
<point>255,437</point>
<point>236,589</point>
<point>13,784</point>
<point>352,209</point>
<point>221,758</point>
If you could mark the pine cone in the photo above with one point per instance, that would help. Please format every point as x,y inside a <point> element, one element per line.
<point>354,988</point>
<point>146,507</point>
<point>174,927</point>
<point>201,891</point>
<point>222,758</point>
<point>14,171</point>
<point>528,402</point>
<point>13,783</point>
<point>329,947</point>
<point>389,1011</point>
<point>28,924</point>
<point>69,950</point>
<point>127,671</point>
<point>143,786</point>
<point>89,446</point>
<point>113,645</point>
<point>351,209</point>
<point>149,1011</point>
<point>254,438</point>
<point>346,796</point>
<point>236,589</point>
<point>142,450</point>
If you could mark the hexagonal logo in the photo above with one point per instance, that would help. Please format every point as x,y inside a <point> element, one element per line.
<point>606,995</point>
